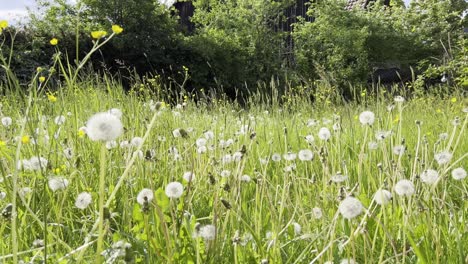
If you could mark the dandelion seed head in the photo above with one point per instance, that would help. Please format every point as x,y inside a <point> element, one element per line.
<point>145,196</point>
<point>459,173</point>
<point>276,157</point>
<point>245,178</point>
<point>207,232</point>
<point>399,99</point>
<point>201,142</point>
<point>443,136</point>
<point>382,197</point>
<point>338,177</point>
<point>111,144</point>
<point>58,183</point>
<point>83,200</point>
<point>317,213</point>
<point>189,176</point>
<point>68,153</point>
<point>399,150</point>
<point>310,139</point>
<point>35,163</point>
<point>290,156</point>
<point>116,112</point>
<point>7,121</point>
<point>60,120</point>
<point>429,176</point>
<point>404,188</point>
<point>225,173</point>
<point>104,127</point>
<point>2,195</point>
<point>324,133</point>
<point>348,261</point>
<point>297,228</point>
<point>136,141</point>
<point>305,155</point>
<point>367,118</point>
<point>174,189</point>
<point>350,207</point>
<point>443,157</point>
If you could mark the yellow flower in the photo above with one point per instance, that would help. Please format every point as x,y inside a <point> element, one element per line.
<point>41,79</point>
<point>3,24</point>
<point>453,100</point>
<point>438,110</point>
<point>117,29</point>
<point>53,41</point>
<point>51,98</point>
<point>39,69</point>
<point>25,139</point>
<point>397,119</point>
<point>57,170</point>
<point>81,133</point>
<point>98,34</point>
<point>2,143</point>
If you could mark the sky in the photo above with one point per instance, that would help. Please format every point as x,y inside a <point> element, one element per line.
<point>14,10</point>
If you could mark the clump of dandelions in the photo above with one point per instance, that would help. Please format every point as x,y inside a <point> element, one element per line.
<point>83,200</point>
<point>104,127</point>
<point>382,197</point>
<point>429,176</point>
<point>350,207</point>
<point>404,188</point>
<point>458,174</point>
<point>367,118</point>
<point>174,189</point>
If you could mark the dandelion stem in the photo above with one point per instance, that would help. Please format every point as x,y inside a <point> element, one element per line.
<point>102,182</point>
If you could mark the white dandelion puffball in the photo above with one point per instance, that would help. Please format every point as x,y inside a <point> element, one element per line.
<point>443,157</point>
<point>116,112</point>
<point>373,145</point>
<point>111,144</point>
<point>305,155</point>
<point>317,212</point>
<point>104,127</point>
<point>58,183</point>
<point>348,261</point>
<point>207,232</point>
<point>310,139</point>
<point>350,207</point>
<point>429,176</point>
<point>35,163</point>
<point>297,228</point>
<point>209,135</point>
<point>324,133</point>
<point>68,153</point>
<point>7,121</point>
<point>458,174</point>
<point>145,196</point>
<point>59,120</point>
<point>225,173</point>
<point>2,195</point>
<point>245,178</point>
<point>338,177</point>
<point>381,135</point>
<point>276,157</point>
<point>404,188</point>
<point>83,200</point>
<point>382,197</point>
<point>399,99</point>
<point>399,150</point>
<point>136,141</point>
<point>201,142</point>
<point>290,156</point>
<point>176,133</point>
<point>174,189</point>
<point>367,118</point>
<point>189,176</point>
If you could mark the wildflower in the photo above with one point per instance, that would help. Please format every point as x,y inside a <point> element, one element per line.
<point>83,200</point>
<point>207,232</point>
<point>404,188</point>
<point>58,183</point>
<point>2,195</point>
<point>189,176</point>
<point>59,120</point>
<point>226,159</point>
<point>209,134</point>
<point>68,153</point>
<point>176,133</point>
<point>174,190</point>
<point>443,157</point>
<point>456,121</point>
<point>429,176</point>
<point>98,34</point>
<point>42,79</point>
<point>125,144</point>
<point>373,145</point>
<point>443,136</point>
<point>202,149</point>
<point>382,197</point>
<point>53,41</point>
<point>310,139</point>
<point>458,174</point>
<point>7,121</point>
<point>367,118</point>
<point>317,212</point>
<point>111,144</point>
<point>399,99</point>
<point>245,178</point>
<point>201,142</point>
<point>3,24</point>
<point>297,228</point>
<point>2,144</point>
<point>51,98</point>
<point>104,127</point>
<point>350,207</point>
<point>276,157</point>
<point>82,131</point>
<point>380,135</point>
<point>237,156</point>
<point>36,163</point>
<point>348,261</point>
<point>399,150</point>
<point>324,133</point>
<point>338,177</point>
<point>23,192</point>
<point>116,112</point>
<point>117,29</point>
<point>136,141</point>
<point>290,156</point>
<point>225,173</point>
<point>305,155</point>
<point>145,196</point>
<point>454,99</point>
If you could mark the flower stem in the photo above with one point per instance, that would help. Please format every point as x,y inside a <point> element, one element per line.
<point>102,175</point>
